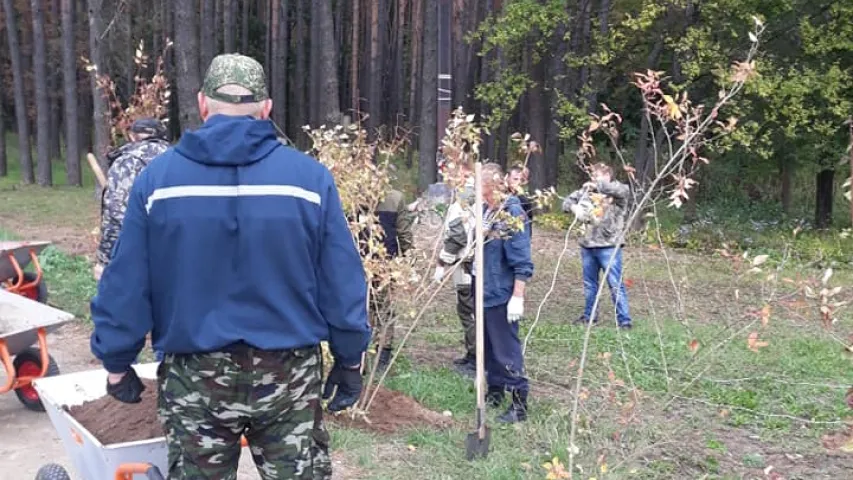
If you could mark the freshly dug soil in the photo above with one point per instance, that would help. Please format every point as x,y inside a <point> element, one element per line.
<point>111,421</point>
<point>393,411</point>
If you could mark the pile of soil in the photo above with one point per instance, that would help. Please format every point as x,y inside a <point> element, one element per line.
<point>111,421</point>
<point>393,411</point>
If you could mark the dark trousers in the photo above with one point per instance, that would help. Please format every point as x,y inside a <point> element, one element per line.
<point>504,362</point>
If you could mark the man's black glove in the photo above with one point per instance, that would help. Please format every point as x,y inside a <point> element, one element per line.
<point>348,381</point>
<point>128,390</point>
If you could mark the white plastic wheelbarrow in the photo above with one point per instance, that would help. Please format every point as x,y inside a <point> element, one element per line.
<point>91,459</point>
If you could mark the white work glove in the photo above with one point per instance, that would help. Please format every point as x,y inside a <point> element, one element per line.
<point>97,271</point>
<point>446,257</point>
<point>438,276</point>
<point>515,309</point>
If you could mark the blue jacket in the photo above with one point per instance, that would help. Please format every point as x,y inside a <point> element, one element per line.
<point>230,236</point>
<point>505,259</point>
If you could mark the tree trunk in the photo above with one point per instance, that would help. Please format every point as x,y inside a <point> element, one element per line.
<point>537,113</point>
<point>207,27</point>
<point>186,62</point>
<point>415,79</point>
<point>327,51</point>
<point>229,27</point>
<point>4,162</point>
<point>355,47</point>
<point>786,174</point>
<point>100,111</point>
<point>823,207</point>
<point>604,32</point>
<point>23,126</point>
<point>428,139</point>
<point>69,82</point>
<point>45,172</point>
<point>217,25</point>
<point>54,58</point>
<point>279,67</point>
<point>300,73</point>
<point>244,41</point>
<point>374,100</point>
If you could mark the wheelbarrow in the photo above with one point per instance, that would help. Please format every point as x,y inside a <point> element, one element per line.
<point>14,258</point>
<point>91,459</point>
<point>23,323</point>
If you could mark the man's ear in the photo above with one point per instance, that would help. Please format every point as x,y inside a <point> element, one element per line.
<point>267,109</point>
<point>202,107</point>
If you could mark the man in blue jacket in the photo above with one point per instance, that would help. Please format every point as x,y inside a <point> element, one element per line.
<point>507,267</point>
<point>236,255</point>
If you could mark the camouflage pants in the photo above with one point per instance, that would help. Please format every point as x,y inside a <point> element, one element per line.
<point>465,307</point>
<point>381,312</point>
<point>207,401</point>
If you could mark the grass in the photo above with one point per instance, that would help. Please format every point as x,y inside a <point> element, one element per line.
<point>650,407</point>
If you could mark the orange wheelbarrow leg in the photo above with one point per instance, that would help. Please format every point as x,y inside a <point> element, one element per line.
<point>6,360</point>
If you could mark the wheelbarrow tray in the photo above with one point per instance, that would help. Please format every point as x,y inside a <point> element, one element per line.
<point>21,252</point>
<point>92,459</point>
<point>20,319</point>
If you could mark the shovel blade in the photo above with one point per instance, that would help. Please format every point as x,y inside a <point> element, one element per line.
<point>476,447</point>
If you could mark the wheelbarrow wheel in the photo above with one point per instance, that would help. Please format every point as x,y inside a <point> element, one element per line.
<point>37,292</point>
<point>28,364</point>
<point>52,471</point>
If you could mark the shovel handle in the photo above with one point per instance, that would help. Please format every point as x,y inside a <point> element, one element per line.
<point>478,298</point>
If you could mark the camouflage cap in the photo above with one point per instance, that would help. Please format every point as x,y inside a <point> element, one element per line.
<point>235,69</point>
<point>149,126</point>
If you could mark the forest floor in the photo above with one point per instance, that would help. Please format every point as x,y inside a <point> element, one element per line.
<point>688,393</point>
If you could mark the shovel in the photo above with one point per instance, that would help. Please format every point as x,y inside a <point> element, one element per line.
<point>477,442</point>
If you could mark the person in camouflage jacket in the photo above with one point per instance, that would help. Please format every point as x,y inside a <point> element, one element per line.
<point>147,141</point>
<point>601,206</point>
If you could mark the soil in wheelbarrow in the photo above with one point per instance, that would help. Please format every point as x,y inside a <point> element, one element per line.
<point>111,421</point>
<point>392,412</point>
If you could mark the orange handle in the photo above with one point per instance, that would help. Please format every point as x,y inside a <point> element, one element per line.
<point>126,471</point>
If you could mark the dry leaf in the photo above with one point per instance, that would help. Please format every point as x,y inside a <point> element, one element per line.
<point>826,276</point>
<point>693,345</point>
<point>753,343</point>
<point>765,315</point>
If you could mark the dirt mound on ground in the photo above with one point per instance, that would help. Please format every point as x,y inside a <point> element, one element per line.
<point>393,411</point>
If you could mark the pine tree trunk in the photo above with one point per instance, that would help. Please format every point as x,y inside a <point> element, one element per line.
<point>824,197</point>
<point>54,79</point>
<point>279,31</point>
<point>4,162</point>
<point>24,153</point>
<point>207,28</point>
<point>428,143</point>
<point>187,62</point>
<point>229,27</point>
<point>374,101</point>
<point>44,173</point>
<point>217,25</point>
<point>355,47</point>
<point>327,51</point>
<point>69,83</point>
<point>415,78</point>
<point>245,24</point>
<point>100,112</point>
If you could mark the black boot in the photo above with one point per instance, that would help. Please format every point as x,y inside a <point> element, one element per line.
<point>384,360</point>
<point>468,359</point>
<point>466,366</point>
<point>517,412</point>
<point>495,396</point>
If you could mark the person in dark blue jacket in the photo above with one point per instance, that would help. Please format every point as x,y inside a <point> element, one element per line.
<point>507,266</point>
<point>236,256</point>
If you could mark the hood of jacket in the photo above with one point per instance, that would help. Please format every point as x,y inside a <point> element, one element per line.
<point>229,141</point>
